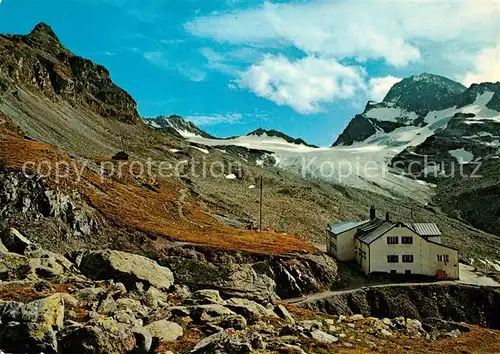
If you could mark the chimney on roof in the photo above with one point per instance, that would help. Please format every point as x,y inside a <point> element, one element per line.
<point>387,216</point>
<point>373,213</point>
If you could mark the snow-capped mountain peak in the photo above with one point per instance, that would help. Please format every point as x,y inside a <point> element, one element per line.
<point>177,125</point>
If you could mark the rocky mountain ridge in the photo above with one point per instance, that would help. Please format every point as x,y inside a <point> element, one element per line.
<point>410,102</point>
<point>41,64</point>
<point>176,125</point>
<point>183,128</point>
<point>274,133</point>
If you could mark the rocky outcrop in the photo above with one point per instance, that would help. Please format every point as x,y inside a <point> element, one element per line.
<point>358,129</point>
<point>460,303</point>
<point>260,278</point>
<point>176,125</point>
<point>130,269</point>
<point>278,134</point>
<point>28,198</point>
<point>40,63</point>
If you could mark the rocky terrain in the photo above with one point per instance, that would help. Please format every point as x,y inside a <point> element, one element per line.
<point>115,302</point>
<point>98,256</point>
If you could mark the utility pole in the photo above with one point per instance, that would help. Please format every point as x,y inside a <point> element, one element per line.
<point>260,204</point>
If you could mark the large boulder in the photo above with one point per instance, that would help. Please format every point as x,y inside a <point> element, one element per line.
<point>207,296</point>
<point>48,311</point>
<point>46,264</point>
<point>32,327</point>
<point>249,309</point>
<point>130,269</point>
<point>104,336</point>
<point>164,331</point>
<point>323,337</point>
<point>14,241</point>
<point>231,277</point>
<point>228,342</point>
<point>204,313</point>
<point>13,266</point>
<point>18,337</point>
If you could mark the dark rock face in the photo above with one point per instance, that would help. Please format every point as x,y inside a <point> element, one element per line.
<point>474,199</point>
<point>40,63</point>
<point>460,303</point>
<point>175,124</point>
<point>25,200</point>
<point>259,278</point>
<point>278,134</point>
<point>358,129</point>
<point>469,96</point>
<point>424,93</point>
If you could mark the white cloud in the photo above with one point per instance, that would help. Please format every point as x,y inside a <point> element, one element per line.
<point>212,119</point>
<point>193,74</point>
<point>304,84</point>
<point>157,58</point>
<point>379,86</point>
<point>394,31</point>
<point>487,67</point>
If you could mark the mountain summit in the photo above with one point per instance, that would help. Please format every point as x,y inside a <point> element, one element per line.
<point>275,133</point>
<point>40,64</point>
<point>407,103</point>
<point>425,92</point>
<point>41,30</point>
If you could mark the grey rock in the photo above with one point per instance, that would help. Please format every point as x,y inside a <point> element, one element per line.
<point>14,241</point>
<point>14,266</point>
<point>154,298</point>
<point>205,313</point>
<point>3,249</point>
<point>323,337</point>
<point>207,297</point>
<point>386,333</point>
<point>435,324</point>
<point>452,334</point>
<point>249,309</point>
<point>164,330</point>
<point>48,311</point>
<point>355,318</point>
<point>48,264</point>
<point>181,292</point>
<point>107,306</point>
<point>311,324</point>
<point>28,338</point>
<point>222,343</point>
<point>414,326</point>
<point>229,321</point>
<point>143,340</point>
<point>237,279</point>
<point>98,338</point>
<point>135,306</point>
<point>127,317</point>
<point>127,268</point>
<point>284,314</point>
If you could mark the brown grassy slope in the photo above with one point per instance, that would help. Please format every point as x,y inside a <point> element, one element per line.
<point>154,210</point>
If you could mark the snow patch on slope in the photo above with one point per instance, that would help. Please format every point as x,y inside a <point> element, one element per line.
<point>461,155</point>
<point>391,114</point>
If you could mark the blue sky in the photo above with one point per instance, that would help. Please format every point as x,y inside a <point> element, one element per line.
<point>302,67</point>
